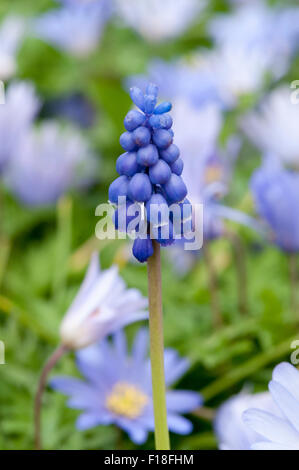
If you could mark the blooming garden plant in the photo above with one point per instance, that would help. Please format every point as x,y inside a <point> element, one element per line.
<point>149,228</point>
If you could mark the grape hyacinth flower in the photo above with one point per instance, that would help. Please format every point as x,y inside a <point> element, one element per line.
<point>276,194</point>
<point>76,27</point>
<point>150,179</point>
<point>102,306</point>
<point>156,20</point>
<point>150,171</point>
<point>47,162</point>
<point>231,431</point>
<point>117,388</point>
<point>16,118</point>
<point>11,33</point>
<point>274,128</point>
<point>278,432</point>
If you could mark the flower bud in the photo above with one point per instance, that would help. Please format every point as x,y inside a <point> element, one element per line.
<point>143,249</point>
<point>147,156</point>
<point>160,173</point>
<point>162,138</point>
<point>177,167</point>
<point>117,188</point>
<point>126,164</point>
<point>142,136</point>
<point>171,154</point>
<point>140,188</point>
<point>127,141</point>
<point>175,189</point>
<point>133,120</point>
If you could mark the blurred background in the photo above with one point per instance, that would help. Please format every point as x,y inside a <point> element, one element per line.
<point>230,70</point>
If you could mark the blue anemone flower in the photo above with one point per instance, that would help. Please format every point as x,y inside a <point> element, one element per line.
<point>47,162</point>
<point>76,27</point>
<point>278,431</point>
<point>276,193</point>
<point>117,388</point>
<point>16,118</point>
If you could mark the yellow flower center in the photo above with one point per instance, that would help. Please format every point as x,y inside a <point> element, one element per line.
<point>126,400</point>
<point>213,173</point>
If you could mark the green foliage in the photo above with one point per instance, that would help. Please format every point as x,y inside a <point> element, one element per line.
<point>44,254</point>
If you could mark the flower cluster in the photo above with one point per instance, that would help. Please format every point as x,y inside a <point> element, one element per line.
<point>150,174</point>
<point>118,388</point>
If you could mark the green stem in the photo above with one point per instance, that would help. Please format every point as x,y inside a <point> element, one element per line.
<point>57,354</point>
<point>294,277</point>
<point>240,261</point>
<point>248,368</point>
<point>157,349</point>
<point>213,287</point>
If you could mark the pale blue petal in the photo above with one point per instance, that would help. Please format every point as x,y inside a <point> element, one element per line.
<point>286,402</point>
<point>136,431</point>
<point>69,386</point>
<point>179,424</point>
<point>90,420</point>
<point>183,401</point>
<point>91,276</point>
<point>272,446</point>
<point>140,346</point>
<point>271,427</point>
<point>287,376</point>
<point>138,435</point>
<point>120,344</point>
<point>175,366</point>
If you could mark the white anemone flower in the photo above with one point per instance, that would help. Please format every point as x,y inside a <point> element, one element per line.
<point>232,433</point>
<point>278,432</point>
<point>16,117</point>
<point>275,127</point>
<point>102,306</point>
<point>158,20</point>
<point>11,32</point>
<point>47,162</point>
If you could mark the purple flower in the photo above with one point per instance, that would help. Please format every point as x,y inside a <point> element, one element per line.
<point>47,162</point>
<point>16,117</point>
<point>276,194</point>
<point>279,431</point>
<point>117,388</point>
<point>232,433</point>
<point>75,28</point>
<point>102,306</point>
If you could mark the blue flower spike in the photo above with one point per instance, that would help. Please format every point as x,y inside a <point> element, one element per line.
<point>150,170</point>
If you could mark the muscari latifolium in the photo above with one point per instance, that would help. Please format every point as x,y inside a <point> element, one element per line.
<point>134,396</point>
